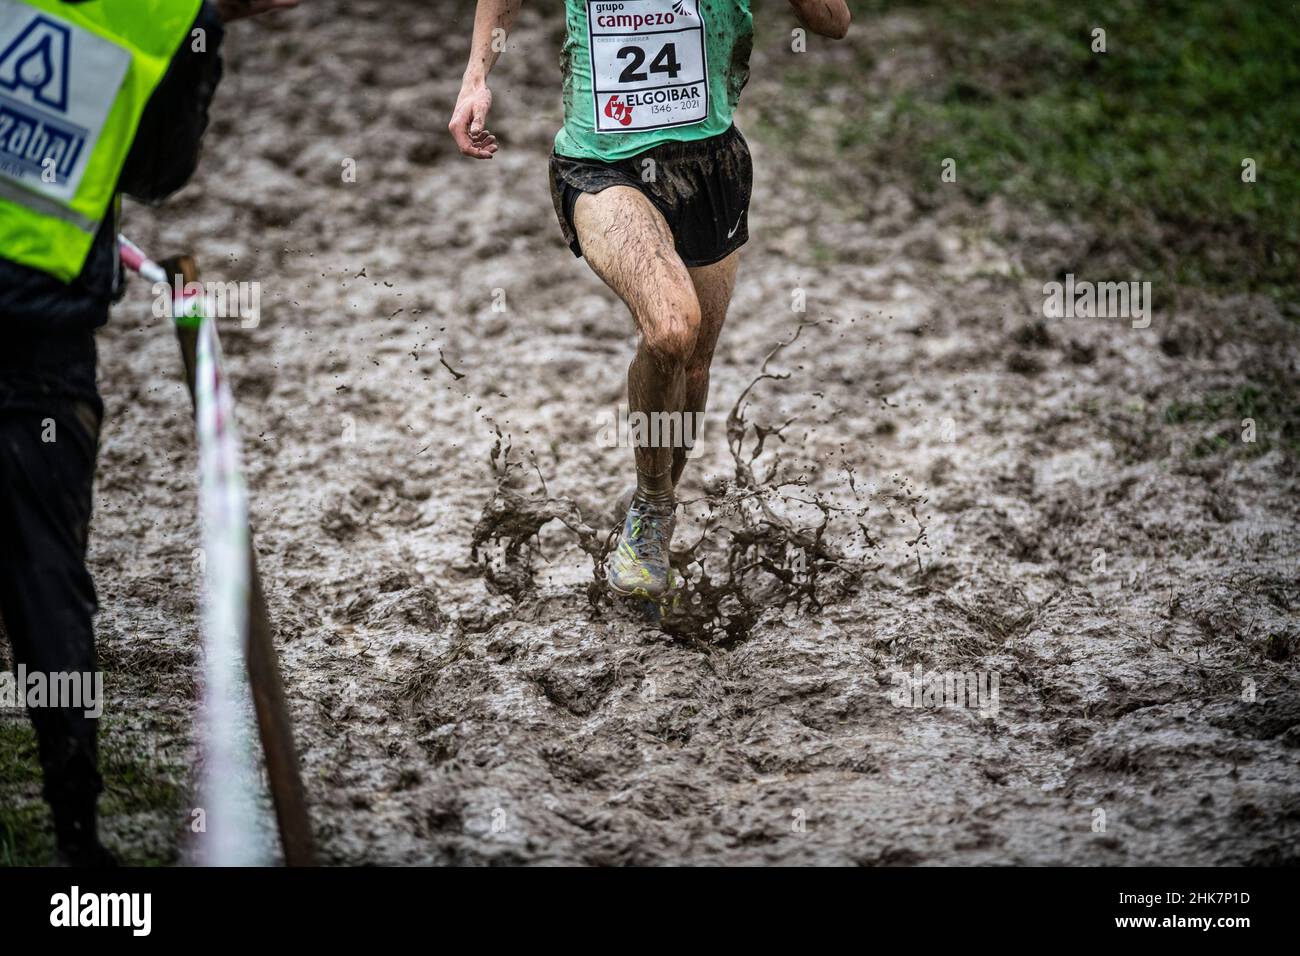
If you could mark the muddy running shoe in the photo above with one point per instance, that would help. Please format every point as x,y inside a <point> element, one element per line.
<point>639,566</point>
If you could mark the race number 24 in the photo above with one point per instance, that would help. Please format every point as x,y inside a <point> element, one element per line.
<point>648,64</point>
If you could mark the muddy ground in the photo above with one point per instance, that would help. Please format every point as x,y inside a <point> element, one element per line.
<point>1044,501</point>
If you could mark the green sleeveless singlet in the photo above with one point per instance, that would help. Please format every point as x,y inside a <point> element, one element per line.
<point>638,73</point>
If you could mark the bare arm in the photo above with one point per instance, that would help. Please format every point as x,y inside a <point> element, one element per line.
<point>468,120</point>
<point>828,18</point>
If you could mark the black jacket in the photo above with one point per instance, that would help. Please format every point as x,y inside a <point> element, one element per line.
<point>41,317</point>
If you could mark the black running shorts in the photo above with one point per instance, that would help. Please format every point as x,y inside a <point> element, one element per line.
<point>702,187</point>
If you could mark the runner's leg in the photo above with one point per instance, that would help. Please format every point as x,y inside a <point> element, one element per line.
<point>713,286</point>
<point>627,243</point>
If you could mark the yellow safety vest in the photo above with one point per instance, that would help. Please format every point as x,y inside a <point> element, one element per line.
<point>74,81</point>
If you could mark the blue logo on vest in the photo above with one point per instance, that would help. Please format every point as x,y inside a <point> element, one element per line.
<point>38,61</point>
<point>34,69</point>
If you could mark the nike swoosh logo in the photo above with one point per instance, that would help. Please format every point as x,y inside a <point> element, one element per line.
<point>736,226</point>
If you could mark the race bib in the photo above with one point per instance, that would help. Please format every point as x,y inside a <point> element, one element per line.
<point>648,65</point>
<point>58,82</point>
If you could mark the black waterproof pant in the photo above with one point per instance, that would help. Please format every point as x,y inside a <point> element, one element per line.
<point>49,435</point>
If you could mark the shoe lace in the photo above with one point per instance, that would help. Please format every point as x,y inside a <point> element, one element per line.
<point>648,533</point>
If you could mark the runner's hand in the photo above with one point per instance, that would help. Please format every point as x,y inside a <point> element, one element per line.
<point>468,123</point>
<point>238,9</point>
<point>828,18</point>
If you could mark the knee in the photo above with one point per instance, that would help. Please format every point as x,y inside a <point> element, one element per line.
<point>671,335</point>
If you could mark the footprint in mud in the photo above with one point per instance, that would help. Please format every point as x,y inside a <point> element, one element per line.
<point>416,605</point>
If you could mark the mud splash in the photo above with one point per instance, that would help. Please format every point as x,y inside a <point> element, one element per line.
<point>748,556</point>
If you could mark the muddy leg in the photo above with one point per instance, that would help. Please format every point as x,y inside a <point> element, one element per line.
<point>627,243</point>
<point>713,287</point>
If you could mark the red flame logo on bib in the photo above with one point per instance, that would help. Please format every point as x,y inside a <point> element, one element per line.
<point>617,110</point>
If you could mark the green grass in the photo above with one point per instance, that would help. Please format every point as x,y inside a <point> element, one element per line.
<point>133,787</point>
<point>25,837</point>
<point>1146,140</point>
<point>1273,405</point>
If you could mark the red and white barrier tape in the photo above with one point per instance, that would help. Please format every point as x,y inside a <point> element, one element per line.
<point>236,832</point>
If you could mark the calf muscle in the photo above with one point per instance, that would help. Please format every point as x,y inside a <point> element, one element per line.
<point>627,243</point>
